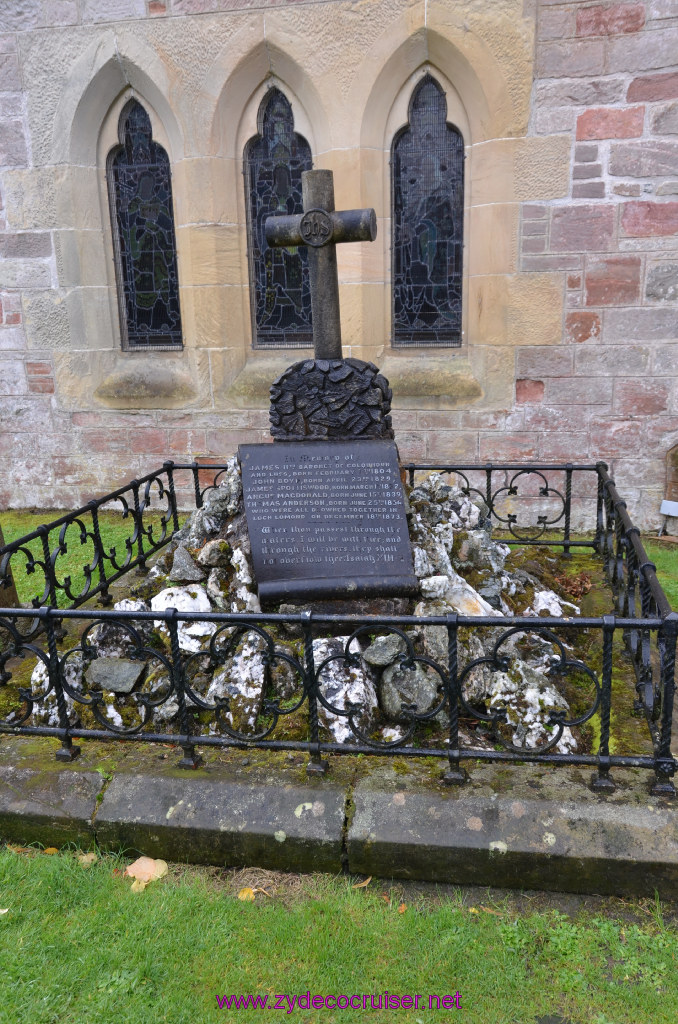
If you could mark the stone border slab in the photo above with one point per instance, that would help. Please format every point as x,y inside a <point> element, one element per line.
<point>51,807</point>
<point>227,821</point>
<point>527,827</point>
<point>536,830</point>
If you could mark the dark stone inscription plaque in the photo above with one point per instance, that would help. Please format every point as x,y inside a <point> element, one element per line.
<point>326,519</point>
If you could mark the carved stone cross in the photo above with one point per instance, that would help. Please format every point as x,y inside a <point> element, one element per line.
<point>321,229</point>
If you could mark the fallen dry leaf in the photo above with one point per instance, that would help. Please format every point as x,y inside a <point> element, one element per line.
<point>20,849</point>
<point>488,910</point>
<point>145,870</point>
<point>361,885</point>
<point>402,908</point>
<point>246,894</point>
<point>87,859</point>
<point>50,851</point>
<point>472,910</point>
<point>5,911</point>
<point>265,892</point>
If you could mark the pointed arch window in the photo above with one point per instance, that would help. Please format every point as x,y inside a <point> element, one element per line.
<point>142,218</point>
<point>279,287</point>
<point>427,193</point>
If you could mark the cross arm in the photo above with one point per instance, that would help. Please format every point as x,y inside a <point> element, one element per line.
<point>335,227</point>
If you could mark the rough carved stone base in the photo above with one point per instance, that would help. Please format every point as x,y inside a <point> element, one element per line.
<point>330,398</point>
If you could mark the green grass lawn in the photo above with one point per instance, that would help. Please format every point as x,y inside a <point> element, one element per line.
<point>115,532</point>
<point>166,954</point>
<point>665,557</point>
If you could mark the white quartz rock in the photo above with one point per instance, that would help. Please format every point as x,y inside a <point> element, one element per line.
<point>342,684</point>
<point>192,598</point>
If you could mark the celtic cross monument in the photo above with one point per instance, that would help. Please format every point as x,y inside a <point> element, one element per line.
<point>328,397</point>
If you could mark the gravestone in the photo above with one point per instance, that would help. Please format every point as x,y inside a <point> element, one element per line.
<point>326,520</point>
<point>324,503</point>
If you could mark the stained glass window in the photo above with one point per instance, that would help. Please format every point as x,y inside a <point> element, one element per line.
<point>427,167</point>
<point>279,286</point>
<point>140,193</point>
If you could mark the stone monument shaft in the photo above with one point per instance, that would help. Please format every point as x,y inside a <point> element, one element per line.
<point>321,228</point>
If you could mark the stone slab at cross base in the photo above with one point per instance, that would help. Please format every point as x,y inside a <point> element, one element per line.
<point>222,816</point>
<point>529,827</point>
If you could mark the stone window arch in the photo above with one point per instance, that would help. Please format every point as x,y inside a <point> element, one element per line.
<point>279,287</point>
<point>427,209</point>
<point>142,222</point>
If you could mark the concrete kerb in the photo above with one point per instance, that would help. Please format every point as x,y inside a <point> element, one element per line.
<point>527,827</point>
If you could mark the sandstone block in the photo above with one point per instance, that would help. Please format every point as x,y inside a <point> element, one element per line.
<point>579,92</point>
<point>662,282</point>
<point>666,121</point>
<point>664,362</point>
<point>640,325</point>
<point>541,167</point>
<point>27,274</point>
<point>570,59</point>
<point>60,12</point>
<point>582,327</point>
<point>580,391</point>
<point>628,188</point>
<point>610,19</point>
<point>539,362</point>
<point>634,52</point>
<point>94,11</point>
<point>529,391</point>
<point>585,153</point>
<point>616,438</point>
<point>548,262</point>
<point>614,281</point>
<point>41,385</point>
<point>644,159</point>
<point>580,171</point>
<point>642,219</point>
<point>653,87</point>
<point>557,23</point>
<point>587,227</point>
<point>611,361</point>
<point>509,447</point>
<point>12,339</point>
<point>667,188</point>
<point>588,190</point>
<point>13,377</point>
<point>13,151</point>
<point>25,244</point>
<point>565,447</point>
<point>640,397</point>
<point>606,123</point>
<point>10,78</point>
<point>561,419</point>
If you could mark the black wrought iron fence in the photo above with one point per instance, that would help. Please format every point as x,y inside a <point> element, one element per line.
<point>62,697</point>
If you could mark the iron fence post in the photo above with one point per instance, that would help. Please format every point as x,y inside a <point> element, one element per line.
<point>169,469</point>
<point>601,780</point>
<point>455,774</point>
<point>8,594</point>
<point>568,510</point>
<point>104,597</point>
<point>665,764</point>
<point>190,759</point>
<point>316,766</point>
<point>66,752</point>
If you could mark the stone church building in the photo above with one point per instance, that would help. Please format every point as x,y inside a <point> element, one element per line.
<point>522,293</point>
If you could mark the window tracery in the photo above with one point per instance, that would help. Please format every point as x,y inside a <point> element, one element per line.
<point>427,186</point>
<point>279,285</point>
<point>142,218</point>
